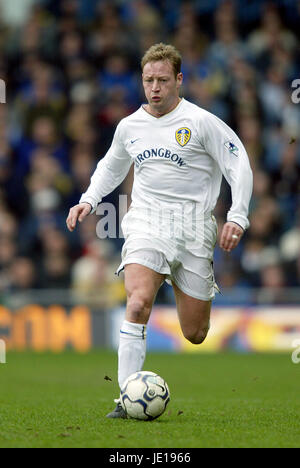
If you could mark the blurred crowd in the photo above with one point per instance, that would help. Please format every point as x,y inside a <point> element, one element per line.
<point>72,72</point>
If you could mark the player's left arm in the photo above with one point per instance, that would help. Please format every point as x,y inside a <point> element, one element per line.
<point>230,236</point>
<point>226,148</point>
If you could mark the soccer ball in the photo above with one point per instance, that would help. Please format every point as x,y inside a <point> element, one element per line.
<point>144,395</point>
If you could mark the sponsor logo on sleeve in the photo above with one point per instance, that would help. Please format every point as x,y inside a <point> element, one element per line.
<point>233,149</point>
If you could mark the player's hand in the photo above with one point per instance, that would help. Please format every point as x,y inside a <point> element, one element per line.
<point>78,212</point>
<point>230,236</point>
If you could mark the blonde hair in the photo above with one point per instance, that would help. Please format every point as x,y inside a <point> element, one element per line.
<point>161,52</point>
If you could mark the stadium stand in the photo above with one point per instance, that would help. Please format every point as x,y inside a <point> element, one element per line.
<point>72,71</point>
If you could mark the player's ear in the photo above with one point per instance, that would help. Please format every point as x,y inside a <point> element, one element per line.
<point>179,79</point>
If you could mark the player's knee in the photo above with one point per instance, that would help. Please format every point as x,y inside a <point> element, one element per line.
<point>138,309</point>
<point>198,336</point>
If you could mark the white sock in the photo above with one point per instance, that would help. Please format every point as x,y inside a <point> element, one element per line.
<point>132,349</point>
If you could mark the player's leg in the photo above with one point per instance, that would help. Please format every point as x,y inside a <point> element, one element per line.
<point>141,284</point>
<point>194,287</point>
<point>193,314</point>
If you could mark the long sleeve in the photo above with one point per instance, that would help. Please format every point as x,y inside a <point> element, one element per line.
<point>227,150</point>
<point>110,172</point>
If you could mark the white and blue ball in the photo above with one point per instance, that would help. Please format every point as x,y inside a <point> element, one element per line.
<point>144,395</point>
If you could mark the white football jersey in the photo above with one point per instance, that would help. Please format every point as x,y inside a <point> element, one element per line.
<point>179,157</point>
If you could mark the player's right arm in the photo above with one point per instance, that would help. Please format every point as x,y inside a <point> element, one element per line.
<point>110,172</point>
<point>78,213</point>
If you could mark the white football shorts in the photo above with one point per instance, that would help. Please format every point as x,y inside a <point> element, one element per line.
<point>173,248</point>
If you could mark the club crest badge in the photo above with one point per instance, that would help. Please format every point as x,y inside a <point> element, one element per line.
<point>183,135</point>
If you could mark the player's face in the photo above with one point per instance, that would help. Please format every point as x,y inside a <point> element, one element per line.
<point>161,87</point>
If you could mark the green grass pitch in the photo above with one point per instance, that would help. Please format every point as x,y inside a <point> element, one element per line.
<point>217,400</point>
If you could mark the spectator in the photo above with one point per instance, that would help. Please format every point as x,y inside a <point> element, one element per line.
<point>22,275</point>
<point>92,276</point>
